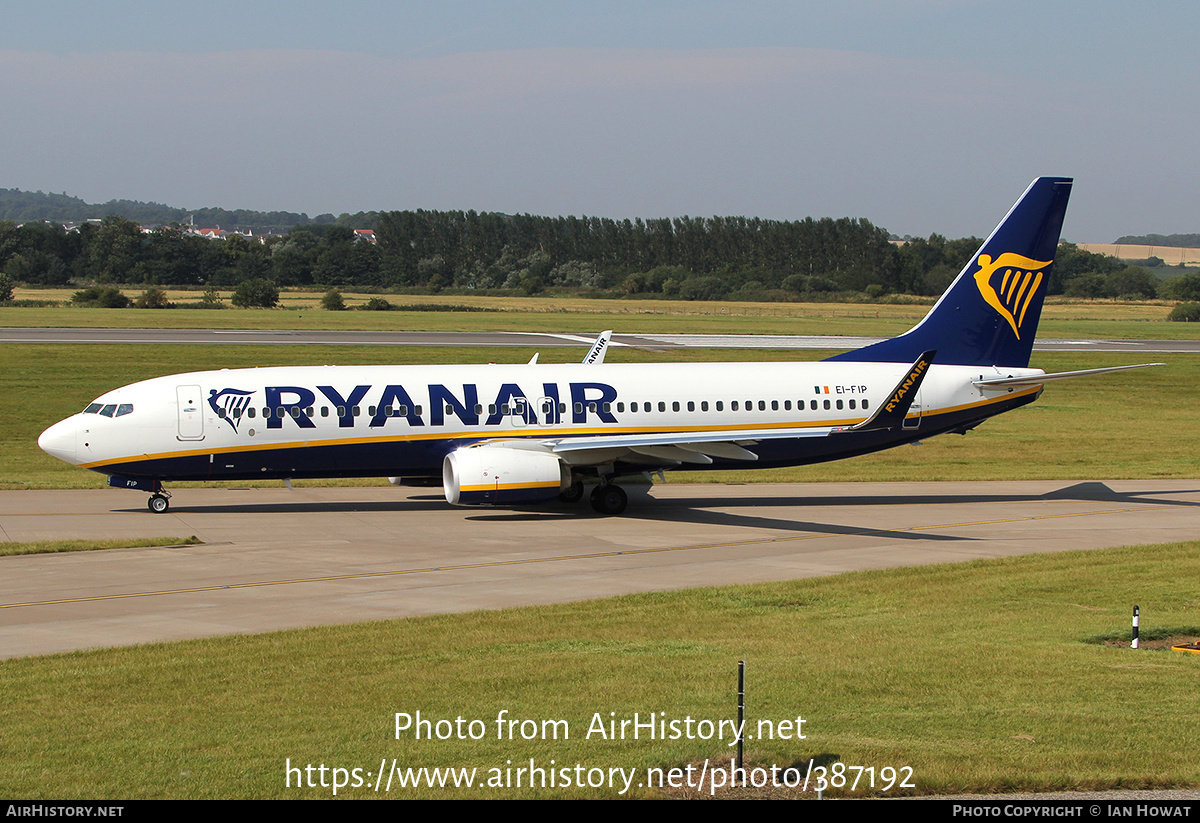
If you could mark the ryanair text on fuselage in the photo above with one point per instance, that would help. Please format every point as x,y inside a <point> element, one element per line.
<point>394,401</point>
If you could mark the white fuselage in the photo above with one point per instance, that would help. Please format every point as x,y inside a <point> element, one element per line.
<point>334,421</point>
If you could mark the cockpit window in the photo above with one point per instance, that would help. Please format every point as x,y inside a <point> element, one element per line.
<point>109,410</point>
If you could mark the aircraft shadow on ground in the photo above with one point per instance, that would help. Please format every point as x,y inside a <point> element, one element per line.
<point>680,511</point>
<point>698,509</point>
<point>1091,491</point>
<point>735,512</point>
<point>419,503</point>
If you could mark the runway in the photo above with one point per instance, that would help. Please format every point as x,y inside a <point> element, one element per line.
<point>276,559</point>
<point>230,337</point>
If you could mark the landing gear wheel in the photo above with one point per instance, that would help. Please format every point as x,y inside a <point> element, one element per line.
<point>609,499</point>
<point>572,493</point>
<point>158,504</point>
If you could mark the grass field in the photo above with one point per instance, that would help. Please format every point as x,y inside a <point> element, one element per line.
<point>8,549</point>
<point>978,676</point>
<point>1060,318</point>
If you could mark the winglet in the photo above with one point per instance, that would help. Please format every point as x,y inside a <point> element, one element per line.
<point>891,412</point>
<point>596,355</point>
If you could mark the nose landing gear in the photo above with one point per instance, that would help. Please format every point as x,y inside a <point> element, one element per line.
<point>159,500</point>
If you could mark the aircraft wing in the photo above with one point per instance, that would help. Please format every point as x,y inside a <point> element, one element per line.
<point>684,446</point>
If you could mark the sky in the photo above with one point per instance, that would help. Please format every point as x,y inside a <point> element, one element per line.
<point>919,115</point>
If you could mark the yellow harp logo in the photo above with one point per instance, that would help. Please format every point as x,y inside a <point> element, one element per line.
<point>1020,278</point>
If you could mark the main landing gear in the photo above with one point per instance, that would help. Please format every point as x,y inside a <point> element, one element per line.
<point>572,493</point>
<point>606,498</point>
<point>609,499</point>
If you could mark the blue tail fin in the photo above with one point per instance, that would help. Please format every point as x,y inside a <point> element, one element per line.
<point>989,315</point>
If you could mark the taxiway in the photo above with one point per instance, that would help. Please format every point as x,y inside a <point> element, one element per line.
<point>276,559</point>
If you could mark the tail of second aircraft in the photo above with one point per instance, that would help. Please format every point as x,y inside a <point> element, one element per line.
<point>990,313</point>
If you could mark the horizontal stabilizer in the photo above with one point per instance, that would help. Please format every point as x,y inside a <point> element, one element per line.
<point>1038,379</point>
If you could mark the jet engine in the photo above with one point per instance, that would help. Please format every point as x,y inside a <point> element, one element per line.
<point>502,475</point>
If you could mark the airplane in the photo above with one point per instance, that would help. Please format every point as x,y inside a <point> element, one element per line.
<point>527,434</point>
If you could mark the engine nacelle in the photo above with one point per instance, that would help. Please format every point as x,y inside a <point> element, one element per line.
<point>502,476</point>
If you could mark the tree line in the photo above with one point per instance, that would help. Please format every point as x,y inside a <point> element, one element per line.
<point>27,206</point>
<point>1179,241</point>
<point>429,251</point>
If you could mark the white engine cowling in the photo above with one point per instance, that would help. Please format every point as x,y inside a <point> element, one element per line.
<point>502,475</point>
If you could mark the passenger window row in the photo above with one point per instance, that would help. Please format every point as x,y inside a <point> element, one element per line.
<point>518,408</point>
<point>749,405</point>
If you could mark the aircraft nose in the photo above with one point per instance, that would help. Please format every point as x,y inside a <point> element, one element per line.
<point>59,440</point>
